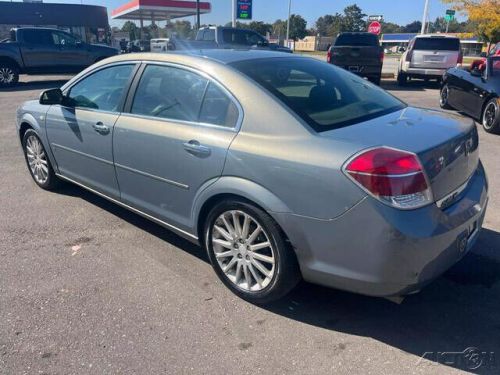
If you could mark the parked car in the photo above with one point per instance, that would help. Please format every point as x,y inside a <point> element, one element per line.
<point>217,37</point>
<point>138,45</point>
<point>476,92</point>
<point>45,51</point>
<point>281,167</point>
<point>494,51</point>
<point>359,53</point>
<point>428,57</point>
<point>159,44</point>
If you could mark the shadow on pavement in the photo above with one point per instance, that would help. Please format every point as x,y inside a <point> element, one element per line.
<point>454,321</point>
<point>36,85</point>
<point>418,85</point>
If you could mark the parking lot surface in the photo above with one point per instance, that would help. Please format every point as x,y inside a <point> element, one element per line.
<point>88,287</point>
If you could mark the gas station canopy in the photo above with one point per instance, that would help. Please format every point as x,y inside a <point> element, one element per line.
<point>158,10</point>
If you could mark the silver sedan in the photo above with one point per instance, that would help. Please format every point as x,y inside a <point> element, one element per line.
<point>281,167</point>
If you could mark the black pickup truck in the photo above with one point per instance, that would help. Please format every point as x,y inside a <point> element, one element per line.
<point>359,53</point>
<point>46,51</point>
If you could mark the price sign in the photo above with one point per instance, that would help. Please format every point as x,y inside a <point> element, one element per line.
<point>244,9</point>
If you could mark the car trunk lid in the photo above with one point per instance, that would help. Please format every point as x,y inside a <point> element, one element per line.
<point>446,145</point>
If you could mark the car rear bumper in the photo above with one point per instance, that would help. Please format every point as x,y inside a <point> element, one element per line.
<point>377,250</point>
<point>424,73</point>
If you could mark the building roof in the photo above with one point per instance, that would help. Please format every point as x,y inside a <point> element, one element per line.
<point>402,38</point>
<point>17,13</point>
<point>158,10</point>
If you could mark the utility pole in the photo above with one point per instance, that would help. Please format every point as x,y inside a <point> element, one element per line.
<point>197,14</point>
<point>424,17</point>
<point>233,10</point>
<point>288,21</point>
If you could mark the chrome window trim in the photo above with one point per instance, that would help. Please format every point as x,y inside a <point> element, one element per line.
<point>239,121</point>
<point>135,210</point>
<point>152,176</point>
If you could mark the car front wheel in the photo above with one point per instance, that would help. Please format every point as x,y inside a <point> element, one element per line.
<point>491,117</point>
<point>249,253</point>
<point>38,163</point>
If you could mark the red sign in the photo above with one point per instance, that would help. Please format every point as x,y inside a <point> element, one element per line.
<point>375,28</point>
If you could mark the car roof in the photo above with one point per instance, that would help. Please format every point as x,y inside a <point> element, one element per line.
<point>223,56</point>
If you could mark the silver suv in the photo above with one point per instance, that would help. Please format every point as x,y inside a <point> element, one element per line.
<point>428,57</point>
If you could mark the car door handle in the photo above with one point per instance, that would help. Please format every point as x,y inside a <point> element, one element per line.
<point>100,128</point>
<point>194,147</point>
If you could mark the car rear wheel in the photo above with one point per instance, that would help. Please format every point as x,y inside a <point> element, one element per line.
<point>249,253</point>
<point>491,116</point>
<point>9,75</point>
<point>443,98</point>
<point>38,163</point>
<point>402,79</point>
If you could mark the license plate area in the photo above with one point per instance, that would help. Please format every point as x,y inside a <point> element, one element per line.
<point>355,68</point>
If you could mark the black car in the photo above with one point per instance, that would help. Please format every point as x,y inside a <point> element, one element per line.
<point>475,92</point>
<point>359,53</point>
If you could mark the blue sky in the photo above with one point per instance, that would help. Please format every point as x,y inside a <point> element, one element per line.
<point>398,11</point>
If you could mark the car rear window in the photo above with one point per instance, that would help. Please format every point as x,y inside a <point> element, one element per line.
<point>437,44</point>
<point>324,96</point>
<point>356,40</point>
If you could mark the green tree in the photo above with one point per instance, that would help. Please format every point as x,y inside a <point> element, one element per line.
<point>413,27</point>
<point>353,19</point>
<point>260,27</point>
<point>132,29</point>
<point>389,27</point>
<point>279,28</point>
<point>183,29</point>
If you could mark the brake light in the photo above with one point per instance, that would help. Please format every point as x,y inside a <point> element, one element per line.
<point>460,58</point>
<point>329,56</point>
<point>393,176</point>
<point>382,56</point>
<point>409,55</point>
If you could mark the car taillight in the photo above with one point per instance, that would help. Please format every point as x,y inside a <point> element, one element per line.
<point>329,56</point>
<point>382,56</point>
<point>460,58</point>
<point>409,55</point>
<point>393,176</point>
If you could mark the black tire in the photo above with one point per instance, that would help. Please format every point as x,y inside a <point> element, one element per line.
<point>443,97</point>
<point>286,272</point>
<point>9,74</point>
<point>51,182</point>
<point>402,79</point>
<point>490,118</point>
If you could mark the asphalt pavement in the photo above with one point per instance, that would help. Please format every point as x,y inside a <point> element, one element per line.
<point>87,287</point>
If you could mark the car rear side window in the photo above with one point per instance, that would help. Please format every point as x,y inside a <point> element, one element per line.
<point>37,37</point>
<point>437,44</point>
<point>218,108</point>
<point>169,93</point>
<point>325,96</point>
<point>361,39</point>
<point>178,94</point>
<point>102,90</point>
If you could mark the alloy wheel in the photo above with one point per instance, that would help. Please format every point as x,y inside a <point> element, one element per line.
<point>490,115</point>
<point>444,96</point>
<point>6,75</point>
<point>243,250</point>
<point>37,159</point>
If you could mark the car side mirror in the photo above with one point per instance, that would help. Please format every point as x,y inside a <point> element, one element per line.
<point>51,96</point>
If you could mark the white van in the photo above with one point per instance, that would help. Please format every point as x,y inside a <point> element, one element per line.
<point>159,45</point>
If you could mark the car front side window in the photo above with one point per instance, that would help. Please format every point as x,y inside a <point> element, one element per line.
<point>102,90</point>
